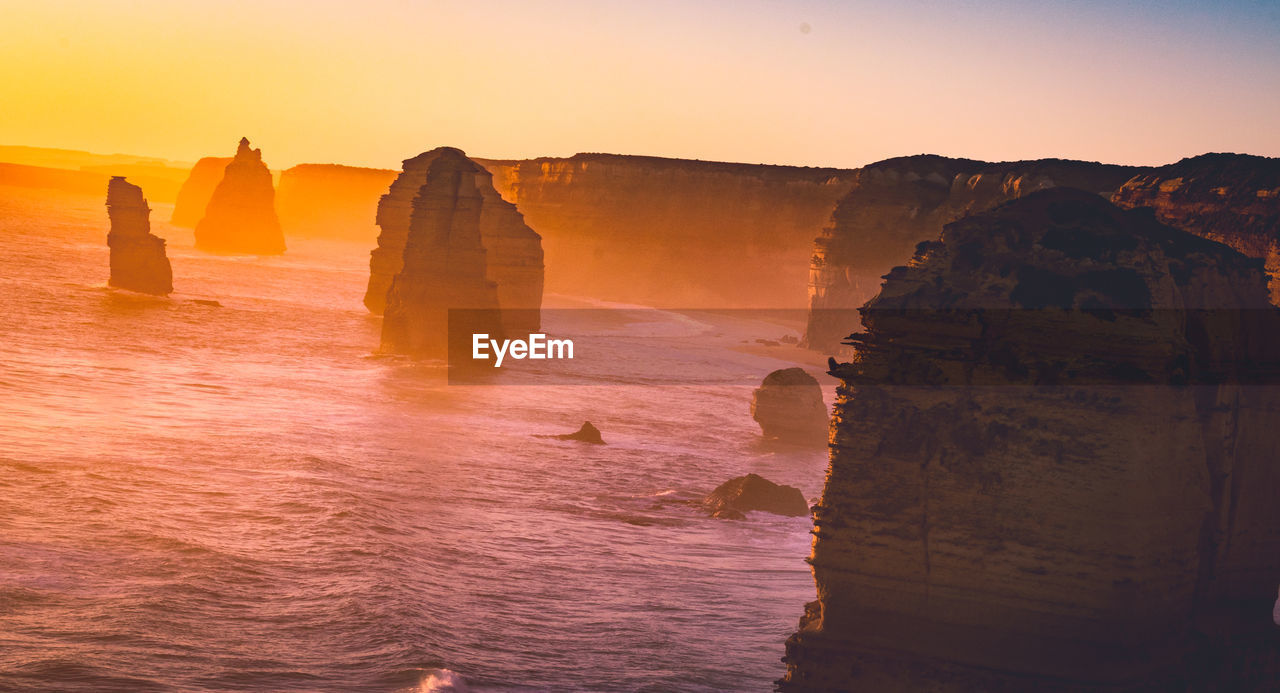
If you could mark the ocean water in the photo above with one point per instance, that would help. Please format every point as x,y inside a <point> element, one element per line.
<point>245,496</point>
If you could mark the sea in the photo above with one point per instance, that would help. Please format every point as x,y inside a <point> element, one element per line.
<point>231,489</point>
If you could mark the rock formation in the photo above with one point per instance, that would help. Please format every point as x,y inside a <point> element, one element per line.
<point>331,201</point>
<point>738,496</point>
<point>897,203</point>
<point>1053,466</point>
<point>671,232</point>
<point>514,251</point>
<point>443,290</point>
<point>788,406</point>
<point>193,196</point>
<point>1230,198</point>
<point>587,433</point>
<point>138,261</point>
<point>241,215</point>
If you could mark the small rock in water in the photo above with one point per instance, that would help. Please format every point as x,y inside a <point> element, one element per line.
<point>736,497</point>
<point>587,434</point>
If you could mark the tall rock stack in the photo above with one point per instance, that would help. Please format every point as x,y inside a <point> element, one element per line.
<point>897,203</point>
<point>444,267</point>
<point>241,215</point>
<point>1229,198</point>
<point>138,260</point>
<point>1053,466</point>
<point>514,251</point>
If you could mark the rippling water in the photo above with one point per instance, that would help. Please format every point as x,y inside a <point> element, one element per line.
<point>243,497</point>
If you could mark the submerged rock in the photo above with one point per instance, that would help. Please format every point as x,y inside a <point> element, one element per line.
<point>442,292</point>
<point>587,434</point>
<point>788,406</point>
<point>738,496</point>
<point>138,260</point>
<point>241,215</point>
<point>513,250</point>
<point>1052,466</point>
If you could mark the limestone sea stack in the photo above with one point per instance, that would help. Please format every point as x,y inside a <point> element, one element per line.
<point>788,406</point>
<point>1230,198</point>
<point>1053,466</point>
<point>138,260</point>
<point>514,251</point>
<point>193,196</point>
<point>444,266</point>
<point>897,203</point>
<point>241,215</point>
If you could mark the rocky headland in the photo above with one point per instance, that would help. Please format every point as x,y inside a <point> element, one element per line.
<point>1053,466</point>
<point>514,258</point>
<point>241,214</point>
<point>331,201</point>
<point>1230,198</point>
<point>897,203</point>
<point>444,265</point>
<point>138,260</point>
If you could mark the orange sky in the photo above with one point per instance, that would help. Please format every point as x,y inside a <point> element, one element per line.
<point>816,83</point>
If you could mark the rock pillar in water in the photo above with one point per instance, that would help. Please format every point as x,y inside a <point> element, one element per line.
<point>138,260</point>
<point>241,215</point>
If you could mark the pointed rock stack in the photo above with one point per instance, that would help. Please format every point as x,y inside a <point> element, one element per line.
<point>1053,466</point>
<point>138,260</point>
<point>514,251</point>
<point>241,215</point>
<point>444,266</point>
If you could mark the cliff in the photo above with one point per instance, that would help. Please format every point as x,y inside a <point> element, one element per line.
<point>897,203</point>
<point>671,232</point>
<point>331,201</point>
<point>138,260</point>
<point>444,264</point>
<point>514,251</point>
<point>1052,466</point>
<point>241,215</point>
<point>1230,198</point>
<point>193,196</point>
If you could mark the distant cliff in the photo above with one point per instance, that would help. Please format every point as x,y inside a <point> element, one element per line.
<point>241,215</point>
<point>138,260</point>
<point>1230,198</point>
<point>1050,467</point>
<point>672,232</point>
<point>897,203</point>
<point>193,196</point>
<point>331,201</point>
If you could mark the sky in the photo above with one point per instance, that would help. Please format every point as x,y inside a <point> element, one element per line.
<point>816,83</point>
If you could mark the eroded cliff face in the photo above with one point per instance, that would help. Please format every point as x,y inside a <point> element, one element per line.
<point>444,263</point>
<point>241,215</point>
<point>193,196</point>
<point>897,203</point>
<point>514,251</point>
<point>1230,198</point>
<point>1053,466</point>
<point>331,201</point>
<point>671,232</point>
<point>138,260</point>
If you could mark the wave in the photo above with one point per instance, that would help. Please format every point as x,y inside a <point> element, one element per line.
<point>440,681</point>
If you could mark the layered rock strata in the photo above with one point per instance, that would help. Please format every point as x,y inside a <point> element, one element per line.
<point>897,203</point>
<point>138,260</point>
<point>241,215</point>
<point>444,267</point>
<point>1230,198</point>
<point>513,250</point>
<point>193,196</point>
<point>788,406</point>
<point>671,232</point>
<point>1053,466</point>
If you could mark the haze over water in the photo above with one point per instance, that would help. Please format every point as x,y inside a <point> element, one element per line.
<point>243,496</point>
